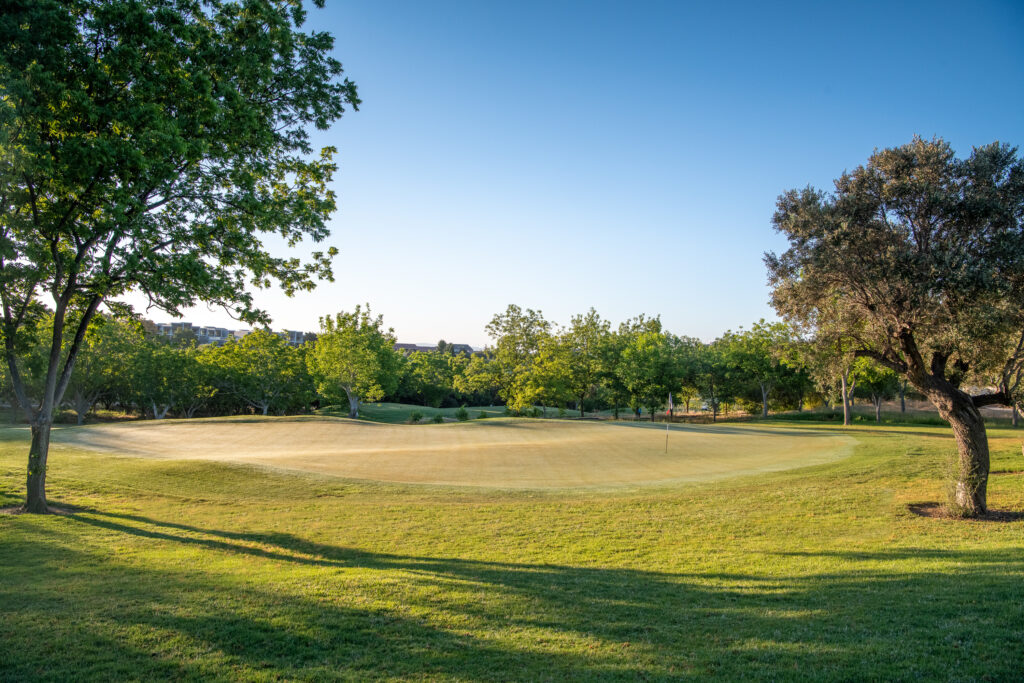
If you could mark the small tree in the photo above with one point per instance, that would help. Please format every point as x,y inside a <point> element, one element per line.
<point>354,354</point>
<point>876,382</point>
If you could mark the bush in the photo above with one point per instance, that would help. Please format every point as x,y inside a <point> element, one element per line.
<point>482,416</point>
<point>415,416</point>
<point>535,412</point>
<point>438,419</point>
<point>462,414</point>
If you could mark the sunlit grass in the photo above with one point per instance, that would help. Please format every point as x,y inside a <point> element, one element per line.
<point>192,569</point>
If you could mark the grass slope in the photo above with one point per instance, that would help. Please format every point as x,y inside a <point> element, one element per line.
<point>191,569</point>
<point>500,453</point>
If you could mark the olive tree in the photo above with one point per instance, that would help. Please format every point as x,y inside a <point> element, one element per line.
<point>924,254</point>
<point>149,145</point>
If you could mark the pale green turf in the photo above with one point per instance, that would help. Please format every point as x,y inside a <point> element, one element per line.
<point>202,570</point>
<point>497,453</point>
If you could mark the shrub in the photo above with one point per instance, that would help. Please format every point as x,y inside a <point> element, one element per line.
<point>462,414</point>
<point>415,416</point>
<point>535,412</point>
<point>438,419</point>
<point>482,416</point>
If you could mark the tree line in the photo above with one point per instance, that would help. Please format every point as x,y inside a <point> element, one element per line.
<point>587,365</point>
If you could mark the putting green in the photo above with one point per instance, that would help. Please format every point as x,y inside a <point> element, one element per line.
<point>489,453</point>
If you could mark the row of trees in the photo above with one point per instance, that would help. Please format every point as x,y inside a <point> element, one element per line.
<point>586,365</point>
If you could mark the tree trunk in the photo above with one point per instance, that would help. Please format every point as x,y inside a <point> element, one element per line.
<point>903,399</point>
<point>582,414</point>
<point>846,399</point>
<point>35,498</point>
<point>1014,415</point>
<point>764,400</point>
<point>265,407</point>
<point>353,405</point>
<point>972,465</point>
<point>878,408</point>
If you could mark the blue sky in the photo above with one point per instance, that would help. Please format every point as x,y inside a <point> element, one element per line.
<point>621,155</point>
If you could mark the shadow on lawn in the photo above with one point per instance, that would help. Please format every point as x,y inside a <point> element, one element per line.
<point>886,614</point>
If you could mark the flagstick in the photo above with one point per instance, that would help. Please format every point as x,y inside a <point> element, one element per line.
<point>666,435</point>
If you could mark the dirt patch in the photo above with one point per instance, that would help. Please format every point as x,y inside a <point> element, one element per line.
<point>939,511</point>
<point>1000,472</point>
<point>53,510</point>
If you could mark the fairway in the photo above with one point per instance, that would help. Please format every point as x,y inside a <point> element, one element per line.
<point>489,453</point>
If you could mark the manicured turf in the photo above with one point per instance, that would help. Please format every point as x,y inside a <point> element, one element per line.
<point>396,413</point>
<point>193,569</point>
<point>501,453</point>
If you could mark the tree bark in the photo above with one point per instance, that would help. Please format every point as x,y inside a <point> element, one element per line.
<point>353,404</point>
<point>1014,415</point>
<point>846,399</point>
<point>903,399</point>
<point>35,498</point>
<point>972,456</point>
<point>764,400</point>
<point>878,408</point>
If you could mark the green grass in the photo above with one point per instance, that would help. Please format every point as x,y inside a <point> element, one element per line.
<point>205,570</point>
<point>397,413</point>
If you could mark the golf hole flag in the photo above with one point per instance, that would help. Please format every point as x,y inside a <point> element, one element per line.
<point>670,406</point>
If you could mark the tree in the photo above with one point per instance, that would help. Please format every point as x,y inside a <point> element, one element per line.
<point>649,370</point>
<point>924,254</point>
<point>877,382</point>
<point>429,376</point>
<point>148,145</point>
<point>355,354</point>
<point>263,371</point>
<point>581,343</point>
<point>708,372</point>
<point>107,351</point>
<point>517,335</point>
<point>757,354</point>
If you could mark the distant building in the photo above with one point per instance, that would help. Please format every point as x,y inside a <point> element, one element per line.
<point>218,335</point>
<point>464,349</point>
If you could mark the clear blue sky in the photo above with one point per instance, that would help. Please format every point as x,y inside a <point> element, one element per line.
<point>626,155</point>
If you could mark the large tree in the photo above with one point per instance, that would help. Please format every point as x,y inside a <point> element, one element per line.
<point>149,145</point>
<point>924,253</point>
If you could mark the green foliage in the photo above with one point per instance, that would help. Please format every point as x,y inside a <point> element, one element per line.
<point>917,262</point>
<point>482,415</point>
<point>264,372</point>
<point>415,416</point>
<point>354,355</point>
<point>518,336</point>
<point>437,419</point>
<point>462,414</point>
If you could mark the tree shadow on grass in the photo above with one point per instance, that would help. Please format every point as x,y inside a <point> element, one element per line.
<point>304,609</point>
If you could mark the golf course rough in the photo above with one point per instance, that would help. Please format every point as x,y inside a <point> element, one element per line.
<point>497,453</point>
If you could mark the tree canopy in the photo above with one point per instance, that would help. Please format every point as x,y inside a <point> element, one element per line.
<point>917,258</point>
<point>150,146</point>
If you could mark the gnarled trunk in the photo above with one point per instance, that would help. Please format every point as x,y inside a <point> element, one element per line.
<point>972,463</point>
<point>35,497</point>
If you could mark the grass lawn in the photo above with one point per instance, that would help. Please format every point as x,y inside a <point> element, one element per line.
<point>497,453</point>
<point>395,413</point>
<point>198,569</point>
